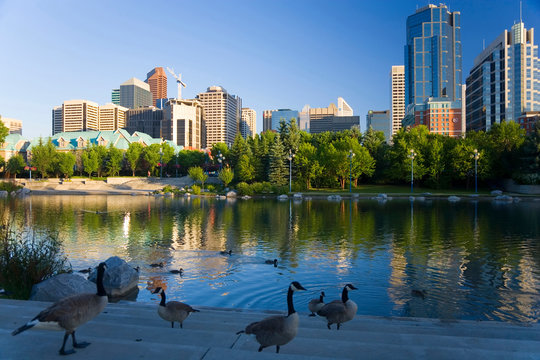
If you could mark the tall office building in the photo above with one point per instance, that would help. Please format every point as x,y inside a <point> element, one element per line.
<point>157,79</point>
<point>222,113</point>
<point>303,122</point>
<point>147,120</point>
<point>248,125</point>
<point>57,126</point>
<point>333,118</point>
<point>135,93</point>
<point>343,109</point>
<point>112,117</point>
<point>397,95</point>
<point>380,121</point>
<point>505,80</point>
<point>267,120</point>
<point>283,115</point>
<point>79,115</point>
<point>433,55</point>
<point>115,96</point>
<point>183,123</point>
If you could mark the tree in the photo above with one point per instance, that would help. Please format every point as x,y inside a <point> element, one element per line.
<point>4,132</point>
<point>277,174</point>
<point>114,160</point>
<point>65,161</point>
<point>197,174</point>
<point>239,147</point>
<point>307,164</point>
<point>244,169</point>
<point>43,155</point>
<point>151,156</point>
<point>226,175</point>
<point>133,156</point>
<point>90,161</point>
<point>15,165</point>
<point>362,163</point>
<point>190,158</point>
<point>101,155</point>
<point>507,138</point>
<point>218,148</point>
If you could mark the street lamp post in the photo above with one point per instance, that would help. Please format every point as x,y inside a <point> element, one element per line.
<point>350,156</point>
<point>411,156</point>
<point>475,155</point>
<point>161,162</point>
<point>220,159</point>
<point>290,158</point>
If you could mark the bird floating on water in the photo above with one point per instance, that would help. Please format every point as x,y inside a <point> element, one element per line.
<point>226,252</point>
<point>270,262</point>
<point>160,265</point>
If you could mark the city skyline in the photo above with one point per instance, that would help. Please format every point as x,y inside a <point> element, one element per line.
<point>273,55</point>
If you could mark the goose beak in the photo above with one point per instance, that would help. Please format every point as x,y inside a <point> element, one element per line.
<point>353,288</point>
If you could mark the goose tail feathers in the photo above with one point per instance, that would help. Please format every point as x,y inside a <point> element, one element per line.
<point>26,326</point>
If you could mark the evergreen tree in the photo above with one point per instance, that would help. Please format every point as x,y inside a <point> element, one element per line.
<point>244,169</point>
<point>277,174</point>
<point>239,147</point>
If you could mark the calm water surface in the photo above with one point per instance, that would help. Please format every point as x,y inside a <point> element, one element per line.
<point>474,259</point>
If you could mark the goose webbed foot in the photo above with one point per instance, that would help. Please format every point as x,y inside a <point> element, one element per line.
<point>338,326</point>
<point>172,324</point>
<point>181,326</point>
<point>78,345</point>
<point>68,352</point>
<point>312,314</point>
<point>260,348</point>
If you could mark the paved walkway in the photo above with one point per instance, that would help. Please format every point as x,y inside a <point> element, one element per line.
<point>134,331</point>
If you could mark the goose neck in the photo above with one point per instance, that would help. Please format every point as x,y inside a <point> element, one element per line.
<point>162,303</point>
<point>99,282</point>
<point>345,295</point>
<point>290,304</point>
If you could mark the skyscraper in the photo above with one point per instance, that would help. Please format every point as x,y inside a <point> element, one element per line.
<point>115,96</point>
<point>504,81</point>
<point>433,55</point>
<point>112,117</point>
<point>135,93</point>
<point>78,115</point>
<point>248,125</point>
<point>283,115</point>
<point>183,122</point>
<point>157,79</point>
<point>147,120</point>
<point>379,121</point>
<point>397,89</point>
<point>267,120</point>
<point>222,112</point>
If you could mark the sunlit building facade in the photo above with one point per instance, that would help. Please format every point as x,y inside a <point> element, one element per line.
<point>248,124</point>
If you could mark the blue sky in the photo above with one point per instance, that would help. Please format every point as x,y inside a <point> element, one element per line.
<point>273,54</point>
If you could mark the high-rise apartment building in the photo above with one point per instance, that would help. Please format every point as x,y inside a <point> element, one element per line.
<point>505,80</point>
<point>433,55</point>
<point>157,79</point>
<point>380,121</point>
<point>135,93</point>
<point>397,95</point>
<point>183,123</point>
<point>115,96</point>
<point>80,115</point>
<point>248,125</point>
<point>267,120</point>
<point>112,117</point>
<point>147,120</point>
<point>14,126</point>
<point>222,114</point>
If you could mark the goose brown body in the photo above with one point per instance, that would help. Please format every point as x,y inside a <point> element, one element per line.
<point>339,311</point>
<point>70,313</point>
<point>316,304</point>
<point>173,311</point>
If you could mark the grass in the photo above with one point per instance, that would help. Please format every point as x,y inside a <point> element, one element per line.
<point>370,189</point>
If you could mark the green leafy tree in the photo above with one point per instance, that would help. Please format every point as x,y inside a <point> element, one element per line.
<point>65,162</point>
<point>226,175</point>
<point>90,161</point>
<point>307,163</point>
<point>101,154</point>
<point>15,165</point>
<point>507,138</point>
<point>218,148</point>
<point>4,132</point>
<point>43,155</point>
<point>190,158</point>
<point>151,157</point>
<point>363,163</point>
<point>114,160</point>
<point>197,174</point>
<point>133,156</point>
<point>277,174</point>
<point>435,160</point>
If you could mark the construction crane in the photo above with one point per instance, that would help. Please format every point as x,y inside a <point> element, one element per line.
<point>179,81</point>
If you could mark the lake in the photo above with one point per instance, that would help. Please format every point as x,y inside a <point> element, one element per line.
<point>473,259</point>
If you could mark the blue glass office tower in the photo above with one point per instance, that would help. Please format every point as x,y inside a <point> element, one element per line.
<point>433,55</point>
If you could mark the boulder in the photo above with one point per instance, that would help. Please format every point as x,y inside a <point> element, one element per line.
<point>231,193</point>
<point>382,197</point>
<point>246,197</point>
<point>496,192</point>
<point>297,196</point>
<point>3,194</point>
<point>420,198</point>
<point>453,198</point>
<point>60,286</point>
<point>503,198</point>
<point>283,197</point>
<point>411,198</point>
<point>26,191</point>
<point>120,278</point>
<point>334,197</point>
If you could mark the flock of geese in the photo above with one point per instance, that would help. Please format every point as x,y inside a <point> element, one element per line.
<point>73,311</point>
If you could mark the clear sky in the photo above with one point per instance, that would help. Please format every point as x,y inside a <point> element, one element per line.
<point>273,54</point>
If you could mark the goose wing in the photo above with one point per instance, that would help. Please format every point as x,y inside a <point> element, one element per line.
<point>334,307</point>
<point>73,311</point>
<point>268,325</point>
<point>180,306</point>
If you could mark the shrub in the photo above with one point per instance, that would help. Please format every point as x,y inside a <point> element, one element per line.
<point>280,190</point>
<point>267,188</point>
<point>169,189</point>
<point>27,258</point>
<point>257,187</point>
<point>527,179</point>
<point>9,186</point>
<point>196,189</point>
<point>210,188</point>
<point>244,189</point>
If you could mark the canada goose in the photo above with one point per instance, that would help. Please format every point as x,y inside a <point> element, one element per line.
<point>226,252</point>
<point>277,330</point>
<point>86,271</point>
<point>316,304</point>
<point>179,271</point>
<point>340,311</point>
<point>137,268</point>
<point>173,310</point>
<point>70,313</point>
<point>160,265</point>
<point>270,262</point>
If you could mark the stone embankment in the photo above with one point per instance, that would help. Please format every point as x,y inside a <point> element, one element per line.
<point>135,331</point>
